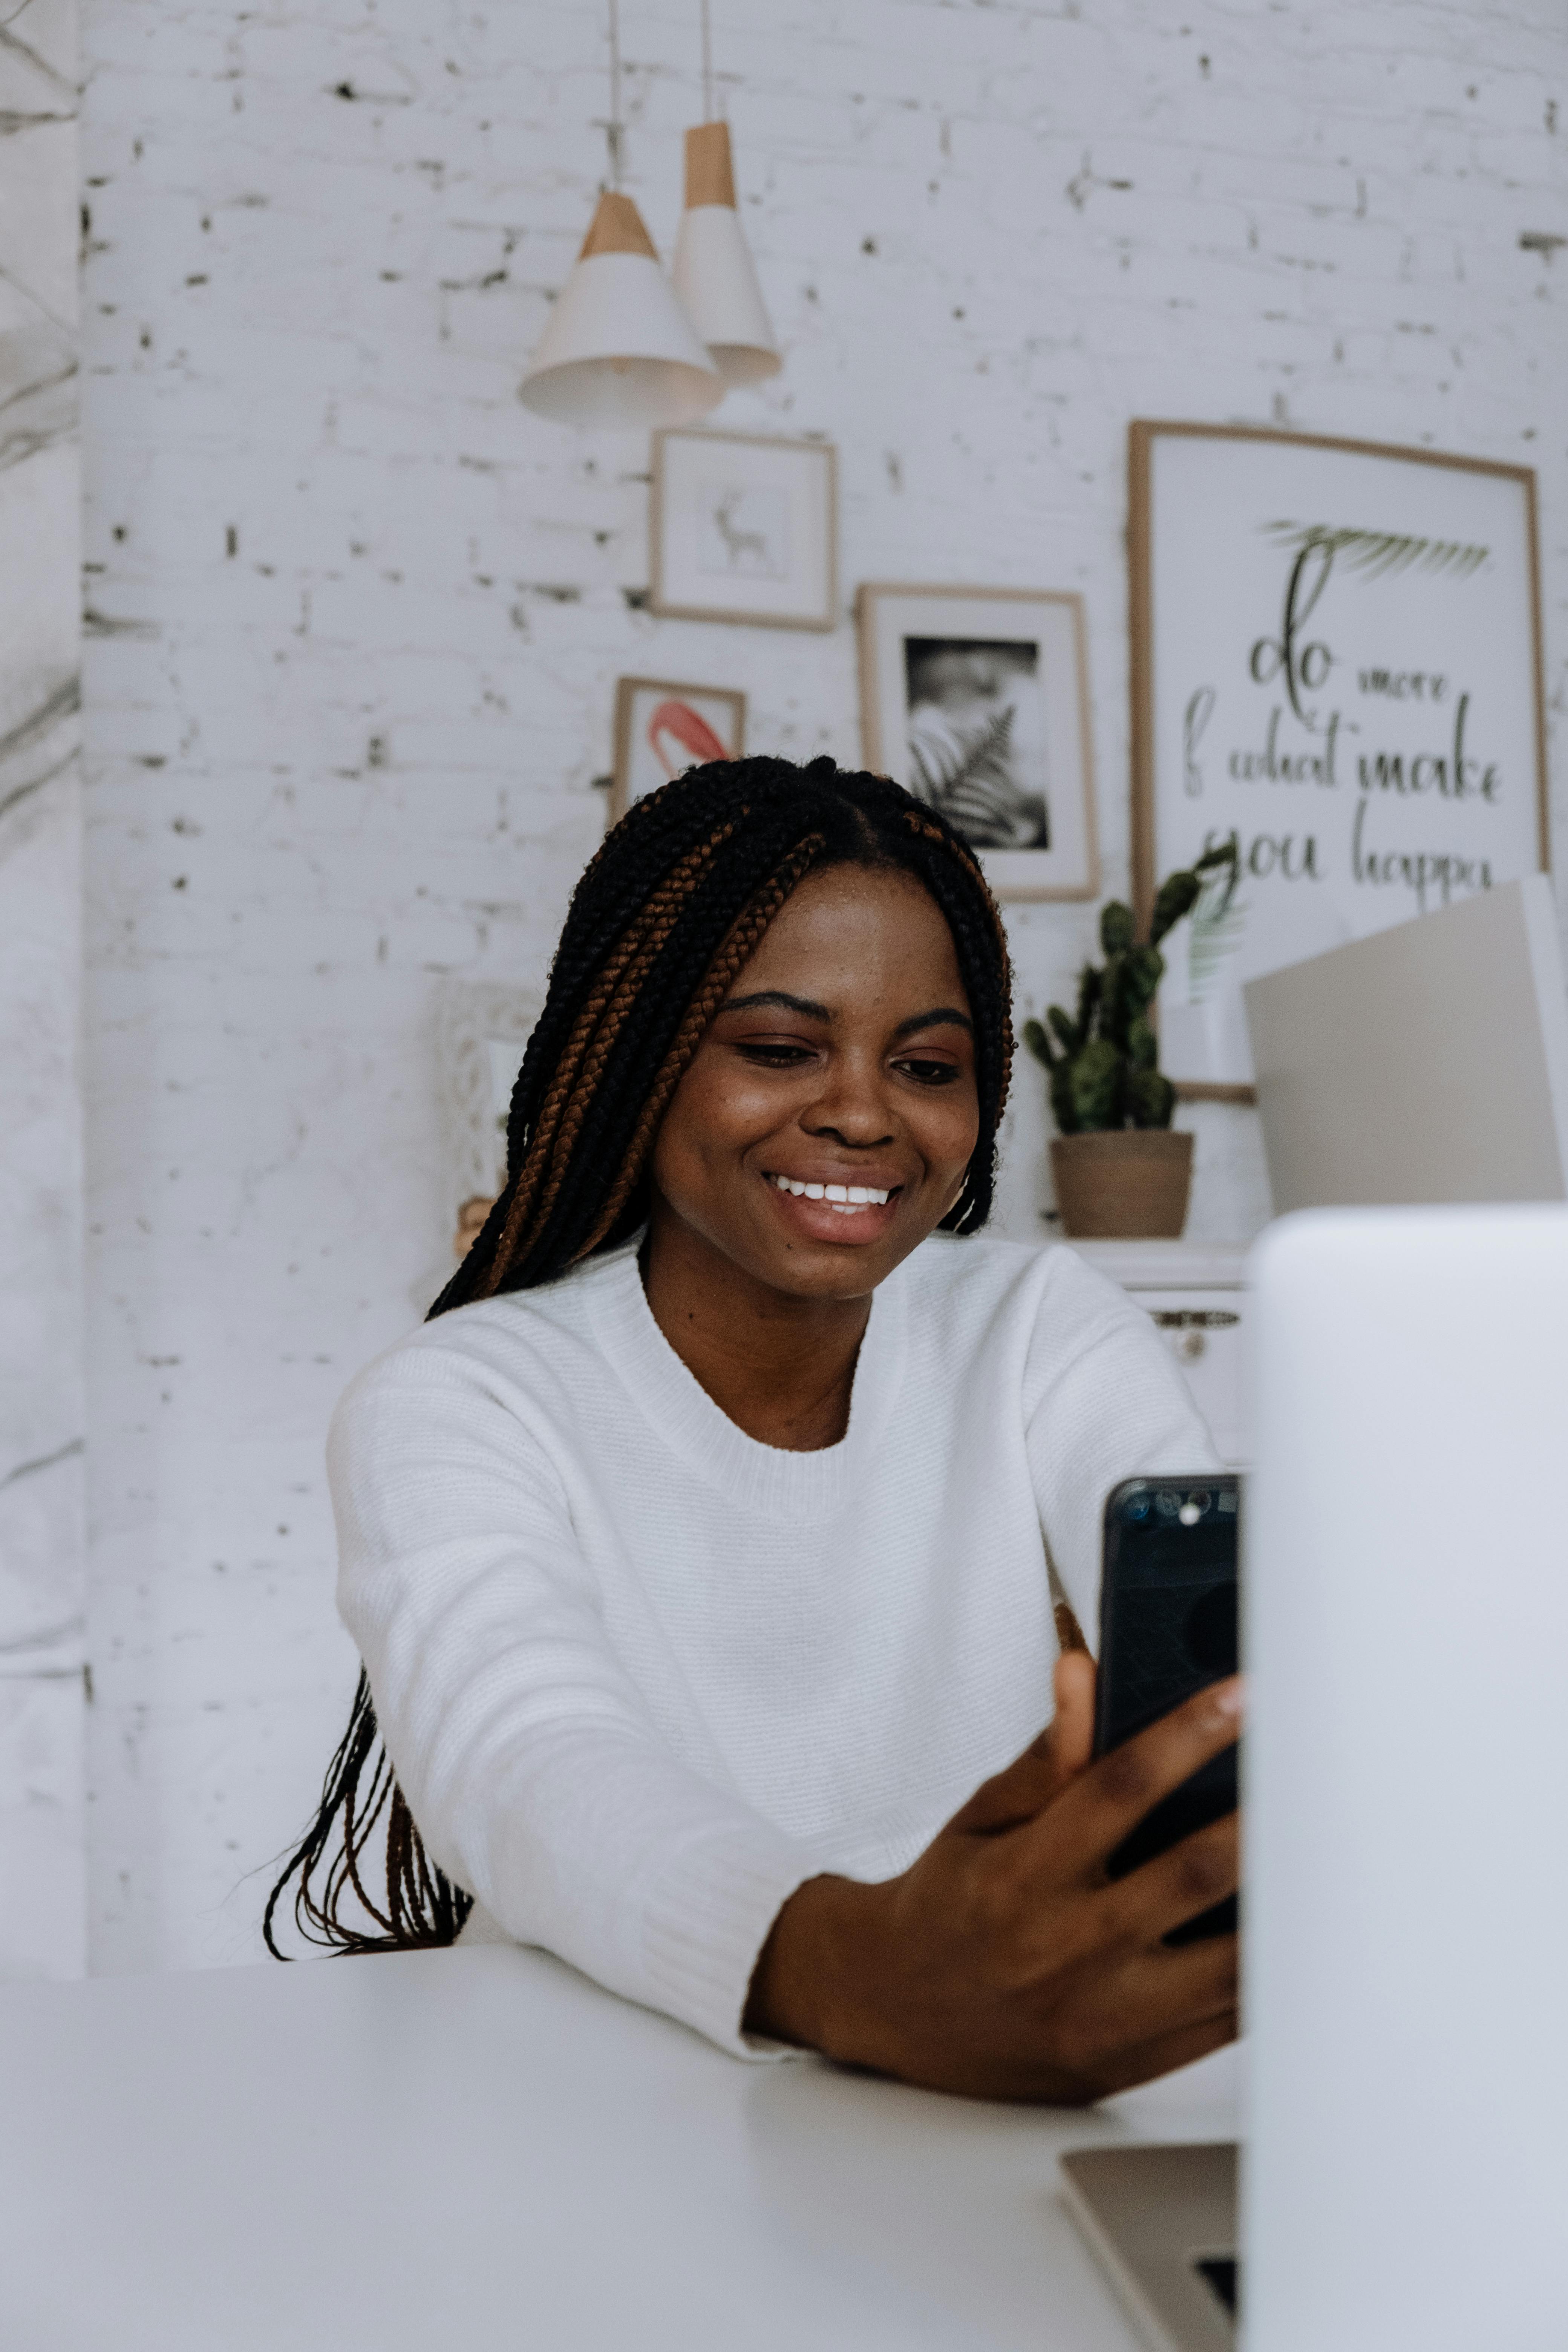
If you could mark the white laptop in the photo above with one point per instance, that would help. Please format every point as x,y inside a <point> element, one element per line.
<point>1405,2172</point>
<point>1429,1062</point>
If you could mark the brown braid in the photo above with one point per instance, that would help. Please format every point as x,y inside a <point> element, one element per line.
<point>667,913</point>
<point>734,956</point>
<point>581,1065</point>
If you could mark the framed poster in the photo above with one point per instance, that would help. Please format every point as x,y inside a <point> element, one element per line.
<point>977,700</point>
<point>1336,664</point>
<point>662,729</point>
<point>745,529</point>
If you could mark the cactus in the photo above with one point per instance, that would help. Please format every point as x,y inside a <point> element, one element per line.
<point>1104,1061</point>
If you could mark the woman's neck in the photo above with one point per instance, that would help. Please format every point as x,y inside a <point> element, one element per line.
<point>780,1368</point>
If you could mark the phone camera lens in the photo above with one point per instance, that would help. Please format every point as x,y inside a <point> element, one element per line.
<point>1136,1507</point>
<point>1167,1504</point>
<point>1199,1502</point>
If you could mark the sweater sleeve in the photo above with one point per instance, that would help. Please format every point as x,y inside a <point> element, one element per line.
<point>1104,1401</point>
<point>529,1759</point>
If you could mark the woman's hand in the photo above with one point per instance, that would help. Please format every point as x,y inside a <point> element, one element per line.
<point>1004,1963</point>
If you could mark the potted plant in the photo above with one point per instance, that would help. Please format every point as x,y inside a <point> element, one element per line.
<point>1119,1172</point>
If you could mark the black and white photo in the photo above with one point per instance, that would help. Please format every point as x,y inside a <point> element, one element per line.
<point>975,699</point>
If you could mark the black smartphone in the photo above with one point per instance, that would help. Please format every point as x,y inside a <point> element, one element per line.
<point>1168,1626</point>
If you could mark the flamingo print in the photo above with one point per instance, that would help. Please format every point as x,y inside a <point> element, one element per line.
<point>691,735</point>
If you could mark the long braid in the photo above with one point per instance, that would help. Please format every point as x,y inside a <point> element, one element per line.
<point>732,958</point>
<point>667,914</point>
<point>577,1074</point>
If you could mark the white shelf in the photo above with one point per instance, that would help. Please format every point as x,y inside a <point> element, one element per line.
<point>1167,1266</point>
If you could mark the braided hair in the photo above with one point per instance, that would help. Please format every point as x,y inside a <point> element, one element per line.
<point>663,920</point>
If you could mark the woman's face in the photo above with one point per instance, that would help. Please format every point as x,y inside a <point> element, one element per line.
<point>842,1063</point>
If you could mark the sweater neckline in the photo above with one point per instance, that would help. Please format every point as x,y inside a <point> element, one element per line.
<point>758,1478</point>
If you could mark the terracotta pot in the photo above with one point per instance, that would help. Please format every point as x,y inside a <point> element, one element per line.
<point>1127,1184</point>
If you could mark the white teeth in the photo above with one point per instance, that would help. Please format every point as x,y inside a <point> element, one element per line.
<point>843,1197</point>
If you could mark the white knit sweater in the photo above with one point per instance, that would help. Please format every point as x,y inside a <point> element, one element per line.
<point>640,1676</point>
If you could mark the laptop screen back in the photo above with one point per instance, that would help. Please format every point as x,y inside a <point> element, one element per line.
<point>1406,1906</point>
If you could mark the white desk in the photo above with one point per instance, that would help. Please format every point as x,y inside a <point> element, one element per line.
<point>479,2147</point>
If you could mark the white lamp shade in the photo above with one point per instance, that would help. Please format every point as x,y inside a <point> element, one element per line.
<point>619,352</point>
<point>717,282</point>
<point>714,274</point>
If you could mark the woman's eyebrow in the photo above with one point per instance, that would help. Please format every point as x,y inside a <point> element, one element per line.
<point>942,1016</point>
<point>779,1000</point>
<point>776,998</point>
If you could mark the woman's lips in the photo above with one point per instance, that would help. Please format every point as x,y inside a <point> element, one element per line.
<point>833,1210</point>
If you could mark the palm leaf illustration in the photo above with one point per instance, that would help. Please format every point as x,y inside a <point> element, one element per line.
<point>1377,553</point>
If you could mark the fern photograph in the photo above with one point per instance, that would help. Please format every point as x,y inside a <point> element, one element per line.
<point>976,699</point>
<point>977,738</point>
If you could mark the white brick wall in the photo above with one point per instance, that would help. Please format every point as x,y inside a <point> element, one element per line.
<point>42,1548</point>
<point>358,617</point>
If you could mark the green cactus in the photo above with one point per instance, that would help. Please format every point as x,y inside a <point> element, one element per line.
<point>1104,1063</point>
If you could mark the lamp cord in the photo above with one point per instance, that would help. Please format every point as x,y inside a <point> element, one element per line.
<point>706,66</point>
<point>613,127</point>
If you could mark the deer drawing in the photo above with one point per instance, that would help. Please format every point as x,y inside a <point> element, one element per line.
<point>736,544</point>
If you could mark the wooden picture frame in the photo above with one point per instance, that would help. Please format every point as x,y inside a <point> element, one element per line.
<point>1336,656</point>
<point>657,719</point>
<point>744,528</point>
<point>932,650</point>
<point>482,1027</point>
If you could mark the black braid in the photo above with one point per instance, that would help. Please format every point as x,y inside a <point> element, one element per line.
<point>677,893</point>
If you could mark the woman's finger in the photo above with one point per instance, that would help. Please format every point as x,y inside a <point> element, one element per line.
<point>1147,2060</point>
<point>1136,2002</point>
<point>1175,1887</point>
<point>1012,1797</point>
<point>1101,1805</point>
<point>1071,1733</point>
<point>1062,1750</point>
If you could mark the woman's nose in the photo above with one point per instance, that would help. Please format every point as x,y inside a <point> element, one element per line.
<point>851,1107</point>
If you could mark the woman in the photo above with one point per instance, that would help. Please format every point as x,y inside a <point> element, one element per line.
<point>700,1548</point>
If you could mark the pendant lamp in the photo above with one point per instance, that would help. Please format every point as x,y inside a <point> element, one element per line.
<point>714,274</point>
<point>619,352</point>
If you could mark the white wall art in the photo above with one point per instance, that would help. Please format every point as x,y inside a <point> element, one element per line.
<point>482,1027</point>
<point>745,529</point>
<point>977,700</point>
<point>1336,664</point>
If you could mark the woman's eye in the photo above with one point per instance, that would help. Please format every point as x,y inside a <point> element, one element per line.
<point>774,1055</point>
<point>928,1073</point>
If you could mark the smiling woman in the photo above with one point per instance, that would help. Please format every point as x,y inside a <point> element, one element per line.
<point>700,1550</point>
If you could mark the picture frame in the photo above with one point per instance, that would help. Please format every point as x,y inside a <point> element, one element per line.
<point>977,700</point>
<point>1336,661</point>
<point>744,528</point>
<point>657,721</point>
<point>482,1028</point>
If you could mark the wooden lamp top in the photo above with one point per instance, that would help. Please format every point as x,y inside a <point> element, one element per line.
<point>617,227</point>
<point>710,172</point>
